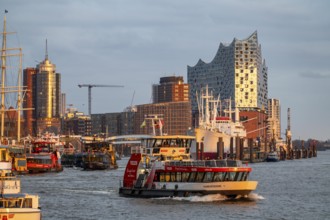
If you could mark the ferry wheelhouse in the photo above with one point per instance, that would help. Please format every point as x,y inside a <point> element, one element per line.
<point>14,204</point>
<point>18,158</point>
<point>162,167</point>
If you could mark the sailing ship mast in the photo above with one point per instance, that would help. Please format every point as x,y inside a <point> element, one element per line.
<point>16,89</point>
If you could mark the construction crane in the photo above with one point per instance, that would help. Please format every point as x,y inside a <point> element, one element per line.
<point>90,86</point>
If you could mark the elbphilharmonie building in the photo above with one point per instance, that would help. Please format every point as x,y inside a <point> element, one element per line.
<point>237,72</point>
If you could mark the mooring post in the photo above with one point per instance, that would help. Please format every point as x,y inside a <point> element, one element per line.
<point>231,148</point>
<point>250,143</point>
<point>197,151</point>
<point>220,148</point>
<point>202,150</point>
<point>241,156</point>
<point>238,148</point>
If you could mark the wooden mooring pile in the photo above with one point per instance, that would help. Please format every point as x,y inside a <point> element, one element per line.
<point>253,153</point>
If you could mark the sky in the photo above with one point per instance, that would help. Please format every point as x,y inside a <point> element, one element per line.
<point>134,43</point>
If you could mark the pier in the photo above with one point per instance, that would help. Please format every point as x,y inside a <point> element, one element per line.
<point>254,153</point>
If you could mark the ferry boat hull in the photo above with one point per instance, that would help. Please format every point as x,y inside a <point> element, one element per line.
<point>43,162</point>
<point>229,189</point>
<point>20,214</point>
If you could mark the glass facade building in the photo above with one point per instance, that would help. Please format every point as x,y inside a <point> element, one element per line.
<point>43,86</point>
<point>237,72</point>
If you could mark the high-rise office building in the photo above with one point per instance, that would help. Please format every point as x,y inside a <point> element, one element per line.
<point>170,89</point>
<point>274,119</point>
<point>237,72</point>
<point>45,85</point>
<point>29,119</point>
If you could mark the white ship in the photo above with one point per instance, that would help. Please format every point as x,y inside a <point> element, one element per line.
<point>215,123</point>
<point>15,205</point>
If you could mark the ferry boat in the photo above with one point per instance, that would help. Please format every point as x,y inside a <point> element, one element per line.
<point>98,155</point>
<point>162,167</point>
<point>43,157</point>
<point>15,205</point>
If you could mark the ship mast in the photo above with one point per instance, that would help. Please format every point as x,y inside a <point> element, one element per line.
<point>15,89</point>
<point>3,75</point>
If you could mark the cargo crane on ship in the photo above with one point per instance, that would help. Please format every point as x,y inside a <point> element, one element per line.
<point>90,86</point>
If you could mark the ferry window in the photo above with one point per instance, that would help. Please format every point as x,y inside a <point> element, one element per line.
<point>238,176</point>
<point>162,177</point>
<point>244,176</point>
<point>178,176</point>
<point>230,176</point>
<point>218,177</point>
<point>210,163</point>
<point>225,176</point>
<point>199,176</point>
<point>231,163</point>
<point>167,177</point>
<point>14,204</point>
<point>221,163</point>
<point>173,177</point>
<point>27,203</point>
<point>208,177</point>
<point>192,177</point>
<point>3,155</point>
<point>185,176</point>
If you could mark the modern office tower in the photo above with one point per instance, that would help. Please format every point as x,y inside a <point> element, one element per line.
<point>274,119</point>
<point>63,104</point>
<point>237,72</point>
<point>29,120</point>
<point>175,118</point>
<point>45,96</point>
<point>170,89</point>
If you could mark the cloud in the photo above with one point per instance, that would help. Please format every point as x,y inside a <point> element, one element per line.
<point>314,75</point>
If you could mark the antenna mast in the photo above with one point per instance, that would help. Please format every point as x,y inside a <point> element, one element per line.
<point>46,54</point>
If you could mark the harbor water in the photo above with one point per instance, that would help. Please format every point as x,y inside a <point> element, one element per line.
<point>296,189</point>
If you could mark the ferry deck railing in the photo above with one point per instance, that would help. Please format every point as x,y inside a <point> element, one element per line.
<point>205,163</point>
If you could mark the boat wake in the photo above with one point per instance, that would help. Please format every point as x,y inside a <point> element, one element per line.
<point>255,196</point>
<point>95,192</point>
<point>206,198</point>
<point>216,198</point>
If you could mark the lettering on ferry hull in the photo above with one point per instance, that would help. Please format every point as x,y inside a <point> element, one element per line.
<point>213,186</point>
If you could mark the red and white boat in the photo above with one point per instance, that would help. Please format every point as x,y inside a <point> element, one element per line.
<point>44,156</point>
<point>162,167</point>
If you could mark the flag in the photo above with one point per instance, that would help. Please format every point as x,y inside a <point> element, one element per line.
<point>143,124</point>
<point>159,124</point>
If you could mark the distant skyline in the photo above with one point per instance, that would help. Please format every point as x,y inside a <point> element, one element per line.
<point>134,43</point>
